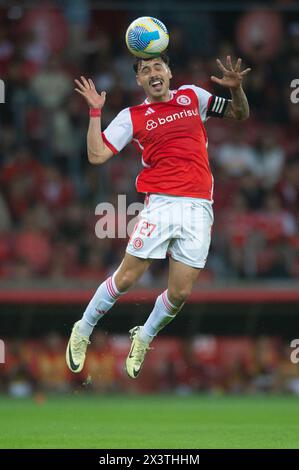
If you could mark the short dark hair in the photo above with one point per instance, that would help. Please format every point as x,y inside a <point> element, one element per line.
<point>162,56</point>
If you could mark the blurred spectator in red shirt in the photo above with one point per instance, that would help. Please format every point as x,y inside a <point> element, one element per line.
<point>20,178</point>
<point>54,190</point>
<point>33,241</point>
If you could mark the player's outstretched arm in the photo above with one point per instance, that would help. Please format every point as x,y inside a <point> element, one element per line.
<point>97,151</point>
<point>238,107</point>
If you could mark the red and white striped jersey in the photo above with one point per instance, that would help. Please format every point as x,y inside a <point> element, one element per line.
<point>172,140</point>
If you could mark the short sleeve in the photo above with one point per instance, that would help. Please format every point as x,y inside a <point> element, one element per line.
<point>119,132</point>
<point>208,104</point>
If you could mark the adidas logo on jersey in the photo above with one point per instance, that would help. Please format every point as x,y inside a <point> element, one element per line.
<point>149,111</point>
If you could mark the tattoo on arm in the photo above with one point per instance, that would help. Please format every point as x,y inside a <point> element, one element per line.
<point>237,108</point>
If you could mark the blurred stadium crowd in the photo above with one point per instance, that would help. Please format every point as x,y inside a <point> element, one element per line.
<point>208,364</point>
<point>48,191</point>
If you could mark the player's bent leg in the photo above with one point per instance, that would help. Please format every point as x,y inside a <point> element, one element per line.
<point>130,270</point>
<point>167,306</point>
<point>181,280</point>
<point>102,301</point>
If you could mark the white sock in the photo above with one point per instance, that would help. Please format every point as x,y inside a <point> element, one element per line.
<point>102,301</point>
<point>162,314</point>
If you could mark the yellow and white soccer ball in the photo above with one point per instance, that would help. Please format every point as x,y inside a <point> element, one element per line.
<point>147,37</point>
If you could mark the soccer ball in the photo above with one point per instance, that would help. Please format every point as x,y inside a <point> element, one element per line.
<point>147,37</point>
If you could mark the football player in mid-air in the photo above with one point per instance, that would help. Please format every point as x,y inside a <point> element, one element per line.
<point>168,128</point>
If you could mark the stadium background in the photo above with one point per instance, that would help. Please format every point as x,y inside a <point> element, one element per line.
<point>233,337</point>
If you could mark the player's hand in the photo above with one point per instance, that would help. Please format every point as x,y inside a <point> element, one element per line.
<point>232,76</point>
<point>87,89</point>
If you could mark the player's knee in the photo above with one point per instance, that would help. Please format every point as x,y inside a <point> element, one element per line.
<point>180,295</point>
<point>126,279</point>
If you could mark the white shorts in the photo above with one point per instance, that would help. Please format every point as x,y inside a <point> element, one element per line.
<point>174,225</point>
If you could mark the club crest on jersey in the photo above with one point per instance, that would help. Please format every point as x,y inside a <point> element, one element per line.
<point>137,243</point>
<point>183,100</point>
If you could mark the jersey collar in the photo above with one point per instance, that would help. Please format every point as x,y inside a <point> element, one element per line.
<point>172,92</point>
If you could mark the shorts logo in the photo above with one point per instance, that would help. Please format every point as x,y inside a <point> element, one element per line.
<point>151,125</point>
<point>137,243</point>
<point>183,100</point>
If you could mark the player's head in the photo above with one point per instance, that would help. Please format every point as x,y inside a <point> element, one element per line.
<point>153,75</point>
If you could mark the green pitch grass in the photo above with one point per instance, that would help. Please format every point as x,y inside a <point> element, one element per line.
<point>151,422</point>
